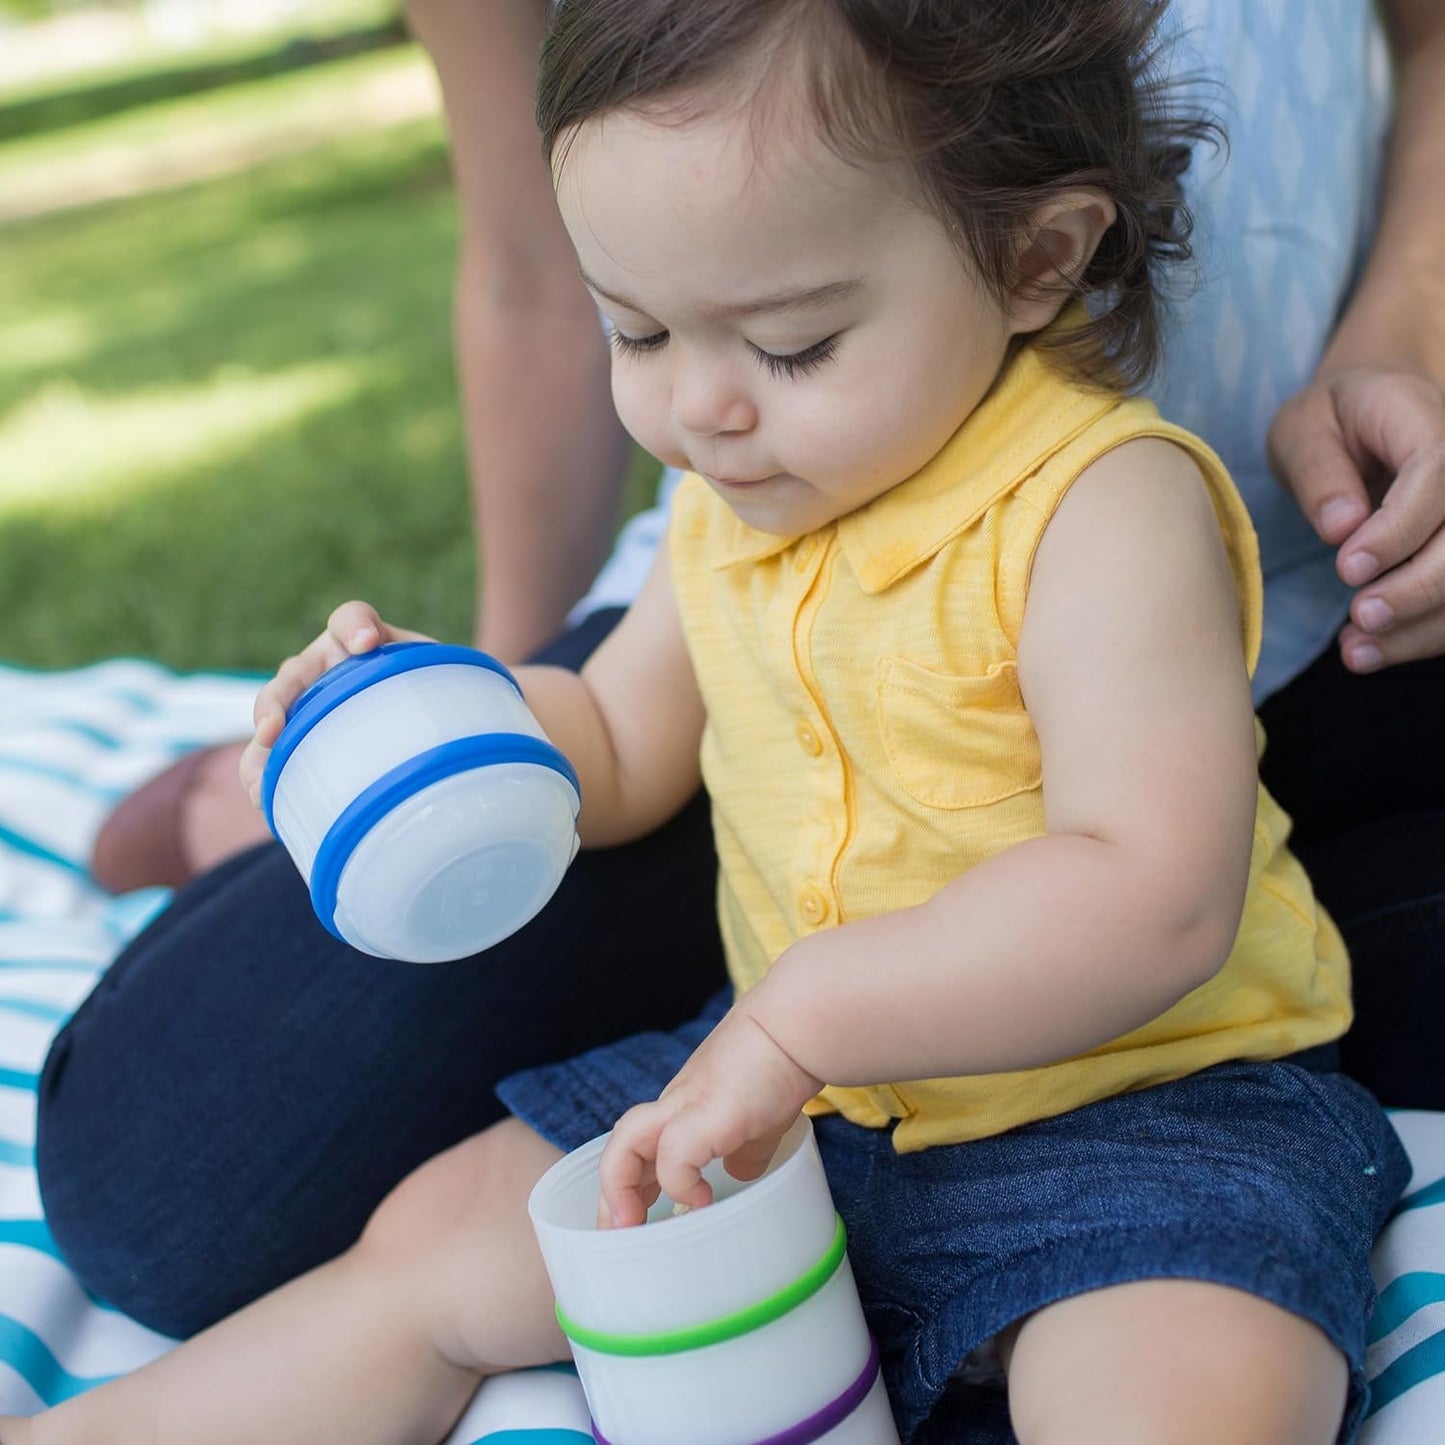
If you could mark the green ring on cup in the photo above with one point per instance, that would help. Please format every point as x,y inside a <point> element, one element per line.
<point>714,1332</point>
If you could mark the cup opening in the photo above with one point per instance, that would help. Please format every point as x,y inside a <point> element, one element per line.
<point>565,1198</point>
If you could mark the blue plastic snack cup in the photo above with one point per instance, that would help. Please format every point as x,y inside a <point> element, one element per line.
<point>421,801</point>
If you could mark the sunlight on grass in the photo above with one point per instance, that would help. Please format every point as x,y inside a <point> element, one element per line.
<point>228,404</point>
<point>119,46</point>
<point>63,445</point>
<point>55,339</point>
<point>196,137</point>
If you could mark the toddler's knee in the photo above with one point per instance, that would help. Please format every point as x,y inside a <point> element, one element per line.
<point>391,1231</point>
<point>438,1200</point>
<point>1152,1420</point>
<point>414,1216</point>
<point>462,1204</point>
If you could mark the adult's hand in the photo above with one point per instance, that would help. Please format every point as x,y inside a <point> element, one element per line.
<point>1362,449</point>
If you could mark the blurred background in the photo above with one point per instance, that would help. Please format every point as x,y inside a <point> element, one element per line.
<point>227,396</point>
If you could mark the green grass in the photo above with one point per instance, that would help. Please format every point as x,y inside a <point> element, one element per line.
<point>226,407</point>
<point>343,27</point>
<point>225,116</point>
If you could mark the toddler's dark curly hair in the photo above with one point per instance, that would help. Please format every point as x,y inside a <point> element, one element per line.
<point>996,104</point>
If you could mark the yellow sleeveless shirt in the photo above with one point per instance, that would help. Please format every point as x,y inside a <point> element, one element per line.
<point>866,742</point>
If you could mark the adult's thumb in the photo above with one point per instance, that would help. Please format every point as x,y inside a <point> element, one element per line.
<point>1310,458</point>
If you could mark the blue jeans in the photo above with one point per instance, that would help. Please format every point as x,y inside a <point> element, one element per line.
<point>1272,1178</point>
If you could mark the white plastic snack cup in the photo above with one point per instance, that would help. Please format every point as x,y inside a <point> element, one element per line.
<point>421,801</point>
<point>737,1324</point>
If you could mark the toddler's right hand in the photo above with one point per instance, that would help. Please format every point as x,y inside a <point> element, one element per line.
<point>354,627</point>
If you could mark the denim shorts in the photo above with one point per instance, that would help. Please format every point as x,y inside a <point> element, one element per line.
<point>1269,1177</point>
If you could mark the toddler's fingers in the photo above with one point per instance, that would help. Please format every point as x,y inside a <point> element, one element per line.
<point>253,765</point>
<point>683,1149</point>
<point>268,712</point>
<point>356,627</point>
<point>292,678</point>
<point>268,717</point>
<point>626,1172</point>
<point>753,1158</point>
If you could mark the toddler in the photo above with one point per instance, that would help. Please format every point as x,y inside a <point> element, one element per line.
<point>958,634</point>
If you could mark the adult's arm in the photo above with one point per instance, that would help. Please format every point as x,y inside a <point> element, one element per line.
<point>546,451</point>
<point>1363,446</point>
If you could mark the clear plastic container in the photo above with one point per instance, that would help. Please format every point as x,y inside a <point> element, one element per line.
<point>422,802</point>
<point>680,1275</point>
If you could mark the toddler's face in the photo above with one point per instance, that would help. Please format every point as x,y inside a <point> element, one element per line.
<point>794,327</point>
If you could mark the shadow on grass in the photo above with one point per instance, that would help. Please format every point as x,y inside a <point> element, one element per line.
<point>343,257</point>
<point>93,99</point>
<point>243,570</point>
<point>347,248</point>
<point>208,545</point>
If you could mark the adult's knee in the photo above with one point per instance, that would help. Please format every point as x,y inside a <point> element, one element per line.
<point>1382,884</point>
<point>161,1200</point>
<point>141,1217</point>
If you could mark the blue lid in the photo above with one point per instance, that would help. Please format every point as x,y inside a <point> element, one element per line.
<point>348,678</point>
<point>410,777</point>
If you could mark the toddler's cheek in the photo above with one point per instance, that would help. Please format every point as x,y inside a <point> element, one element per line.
<point>645,411</point>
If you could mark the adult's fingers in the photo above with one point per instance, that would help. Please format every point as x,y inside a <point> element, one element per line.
<point>1388,415</point>
<point>1309,455</point>
<point>1402,617</point>
<point>1329,441</point>
<point>1411,514</point>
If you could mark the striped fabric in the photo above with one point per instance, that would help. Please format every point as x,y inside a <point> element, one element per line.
<point>72,743</point>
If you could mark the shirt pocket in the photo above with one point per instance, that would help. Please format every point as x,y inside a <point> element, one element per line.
<point>957,742</point>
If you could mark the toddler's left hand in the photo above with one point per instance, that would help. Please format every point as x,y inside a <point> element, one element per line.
<point>733,1100</point>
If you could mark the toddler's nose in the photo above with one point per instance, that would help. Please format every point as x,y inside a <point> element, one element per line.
<point>707,403</point>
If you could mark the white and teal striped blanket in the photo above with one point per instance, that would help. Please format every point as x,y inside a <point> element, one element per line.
<point>71,743</point>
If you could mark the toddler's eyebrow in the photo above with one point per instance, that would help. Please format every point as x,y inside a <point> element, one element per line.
<point>794,299</point>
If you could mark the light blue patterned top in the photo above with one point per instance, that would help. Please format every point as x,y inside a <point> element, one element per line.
<point>1282,225</point>
<point>1282,222</point>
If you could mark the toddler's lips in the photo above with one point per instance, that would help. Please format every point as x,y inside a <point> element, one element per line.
<point>737,482</point>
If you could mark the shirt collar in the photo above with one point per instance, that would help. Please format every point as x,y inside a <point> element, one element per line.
<point>1029,413</point>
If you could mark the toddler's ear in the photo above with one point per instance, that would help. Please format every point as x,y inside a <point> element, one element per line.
<point>1058,244</point>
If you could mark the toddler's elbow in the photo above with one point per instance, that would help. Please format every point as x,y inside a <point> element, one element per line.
<point>1203,938</point>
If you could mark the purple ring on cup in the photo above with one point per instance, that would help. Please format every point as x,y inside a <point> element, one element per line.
<point>818,1424</point>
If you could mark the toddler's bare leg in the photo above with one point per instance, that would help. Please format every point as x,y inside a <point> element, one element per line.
<point>382,1346</point>
<point>1173,1362</point>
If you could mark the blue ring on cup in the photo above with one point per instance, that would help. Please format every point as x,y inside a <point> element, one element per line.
<point>364,811</point>
<point>354,675</point>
